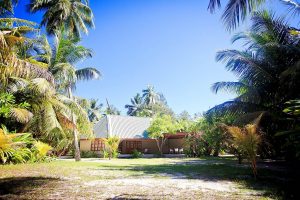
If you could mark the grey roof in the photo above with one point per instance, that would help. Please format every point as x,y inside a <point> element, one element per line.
<point>122,127</point>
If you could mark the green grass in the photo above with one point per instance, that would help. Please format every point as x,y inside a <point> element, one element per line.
<point>72,179</point>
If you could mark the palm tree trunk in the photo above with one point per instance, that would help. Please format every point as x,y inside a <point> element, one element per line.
<point>75,133</point>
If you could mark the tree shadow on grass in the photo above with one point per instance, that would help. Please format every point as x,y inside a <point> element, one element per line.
<point>270,182</point>
<point>17,186</point>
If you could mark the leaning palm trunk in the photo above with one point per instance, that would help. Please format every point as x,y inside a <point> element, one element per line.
<point>75,133</point>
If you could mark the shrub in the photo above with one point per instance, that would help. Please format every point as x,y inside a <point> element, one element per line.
<point>21,148</point>
<point>88,154</point>
<point>111,146</point>
<point>137,154</point>
<point>246,141</point>
<point>195,145</point>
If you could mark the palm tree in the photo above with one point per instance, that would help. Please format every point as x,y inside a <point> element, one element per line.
<point>267,69</point>
<point>7,7</point>
<point>150,96</point>
<point>235,11</point>
<point>93,109</point>
<point>12,31</point>
<point>66,54</point>
<point>137,107</point>
<point>74,16</point>
<point>111,109</point>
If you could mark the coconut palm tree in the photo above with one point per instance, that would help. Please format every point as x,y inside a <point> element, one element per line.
<point>92,107</point>
<point>268,70</point>
<point>62,65</point>
<point>12,38</point>
<point>74,16</point>
<point>150,95</point>
<point>137,107</point>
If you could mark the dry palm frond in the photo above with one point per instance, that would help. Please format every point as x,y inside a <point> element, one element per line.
<point>20,115</point>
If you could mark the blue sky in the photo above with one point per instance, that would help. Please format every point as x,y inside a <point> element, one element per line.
<point>170,44</point>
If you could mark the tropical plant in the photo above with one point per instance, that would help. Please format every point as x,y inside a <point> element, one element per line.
<point>111,146</point>
<point>137,107</point>
<point>40,150</point>
<point>159,127</point>
<point>94,110</point>
<point>88,154</point>
<point>74,16</point>
<point>66,54</point>
<point>111,109</point>
<point>20,147</point>
<point>7,7</point>
<point>150,95</point>
<point>149,104</point>
<point>235,10</point>
<point>267,69</point>
<point>11,112</point>
<point>196,146</point>
<point>12,38</point>
<point>136,154</point>
<point>246,141</point>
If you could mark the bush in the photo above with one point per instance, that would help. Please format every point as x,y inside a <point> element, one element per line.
<point>137,154</point>
<point>195,145</point>
<point>21,148</point>
<point>111,147</point>
<point>40,151</point>
<point>88,154</point>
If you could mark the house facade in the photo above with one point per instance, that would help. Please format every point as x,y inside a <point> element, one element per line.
<point>132,132</point>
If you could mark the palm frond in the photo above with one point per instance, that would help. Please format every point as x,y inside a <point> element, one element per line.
<point>87,73</point>
<point>21,115</point>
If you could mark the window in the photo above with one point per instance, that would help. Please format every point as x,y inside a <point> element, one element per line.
<point>134,145</point>
<point>97,145</point>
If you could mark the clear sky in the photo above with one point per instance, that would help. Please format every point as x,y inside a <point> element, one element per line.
<point>170,44</point>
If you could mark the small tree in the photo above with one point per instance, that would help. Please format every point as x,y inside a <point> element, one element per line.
<point>246,141</point>
<point>111,146</point>
<point>160,126</point>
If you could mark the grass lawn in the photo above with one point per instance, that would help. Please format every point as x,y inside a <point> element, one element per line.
<point>156,178</point>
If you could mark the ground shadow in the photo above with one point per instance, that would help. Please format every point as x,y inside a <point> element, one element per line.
<point>15,186</point>
<point>272,181</point>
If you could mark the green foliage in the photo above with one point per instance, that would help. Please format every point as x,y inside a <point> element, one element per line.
<point>88,154</point>
<point>136,154</point>
<point>21,148</point>
<point>40,150</point>
<point>268,77</point>
<point>73,16</point>
<point>111,146</point>
<point>195,145</point>
<point>246,141</point>
<point>149,104</point>
<point>236,11</point>
<point>162,125</point>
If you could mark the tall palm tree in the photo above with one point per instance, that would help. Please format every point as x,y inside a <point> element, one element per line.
<point>62,66</point>
<point>92,107</point>
<point>74,16</point>
<point>268,70</point>
<point>137,106</point>
<point>150,95</point>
